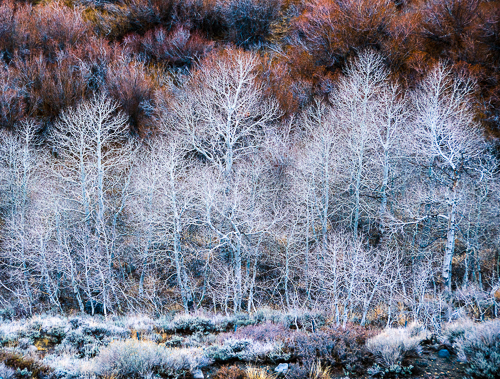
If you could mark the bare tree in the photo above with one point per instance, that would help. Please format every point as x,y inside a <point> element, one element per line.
<point>450,141</point>
<point>221,111</point>
<point>93,153</point>
<point>356,107</point>
<point>393,116</point>
<point>164,203</point>
<point>18,165</point>
<point>321,168</point>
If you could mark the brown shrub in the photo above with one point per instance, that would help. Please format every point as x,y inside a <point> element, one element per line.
<point>11,104</point>
<point>448,28</point>
<point>49,28</point>
<point>17,361</point>
<point>129,83</point>
<point>177,48</point>
<point>333,30</point>
<point>233,372</point>
<point>295,78</point>
<point>7,29</point>
<point>49,87</point>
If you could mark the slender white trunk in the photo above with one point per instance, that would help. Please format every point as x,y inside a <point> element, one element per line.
<point>237,263</point>
<point>181,276</point>
<point>383,190</point>
<point>450,236</point>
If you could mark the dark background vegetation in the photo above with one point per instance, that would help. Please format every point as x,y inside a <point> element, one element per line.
<point>60,52</point>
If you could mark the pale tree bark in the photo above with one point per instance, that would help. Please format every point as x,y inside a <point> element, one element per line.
<point>450,139</point>
<point>19,161</point>
<point>356,107</point>
<point>93,150</point>
<point>164,204</point>
<point>221,112</point>
<point>393,117</point>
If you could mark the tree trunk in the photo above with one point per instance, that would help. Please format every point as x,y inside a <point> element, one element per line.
<point>237,263</point>
<point>450,236</point>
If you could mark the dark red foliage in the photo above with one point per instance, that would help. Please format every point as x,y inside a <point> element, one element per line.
<point>77,48</point>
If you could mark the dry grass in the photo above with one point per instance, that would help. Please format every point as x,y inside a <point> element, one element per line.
<point>320,372</point>
<point>258,373</point>
<point>392,345</point>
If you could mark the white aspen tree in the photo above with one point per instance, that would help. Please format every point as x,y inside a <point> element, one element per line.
<point>393,117</point>
<point>318,166</point>
<point>46,259</point>
<point>333,270</point>
<point>91,144</point>
<point>221,113</point>
<point>450,140</point>
<point>355,103</point>
<point>165,203</point>
<point>353,267</point>
<point>237,234</point>
<point>64,249</point>
<point>321,166</point>
<point>143,207</point>
<point>382,263</point>
<point>19,162</point>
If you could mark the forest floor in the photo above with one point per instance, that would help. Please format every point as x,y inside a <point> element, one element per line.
<point>224,346</point>
<point>428,366</point>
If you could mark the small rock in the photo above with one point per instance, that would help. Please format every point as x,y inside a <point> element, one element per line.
<point>282,368</point>
<point>197,374</point>
<point>443,353</point>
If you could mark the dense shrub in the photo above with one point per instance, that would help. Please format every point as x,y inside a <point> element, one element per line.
<point>129,83</point>
<point>177,48</point>
<point>247,350</point>
<point>266,332</point>
<point>480,346</point>
<point>336,347</point>
<point>452,332</point>
<point>86,336</point>
<point>186,323</point>
<point>48,88</point>
<point>249,21</point>
<point>44,29</point>
<point>134,358</point>
<point>393,345</point>
<point>32,367</point>
<point>6,372</point>
<point>233,372</point>
<point>12,108</point>
<point>334,29</point>
<point>7,29</point>
<point>309,320</point>
<point>189,324</point>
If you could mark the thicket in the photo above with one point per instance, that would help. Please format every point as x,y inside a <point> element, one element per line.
<point>228,155</point>
<point>140,346</point>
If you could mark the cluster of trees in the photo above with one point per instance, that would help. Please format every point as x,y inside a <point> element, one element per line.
<point>359,201</point>
<point>228,155</point>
